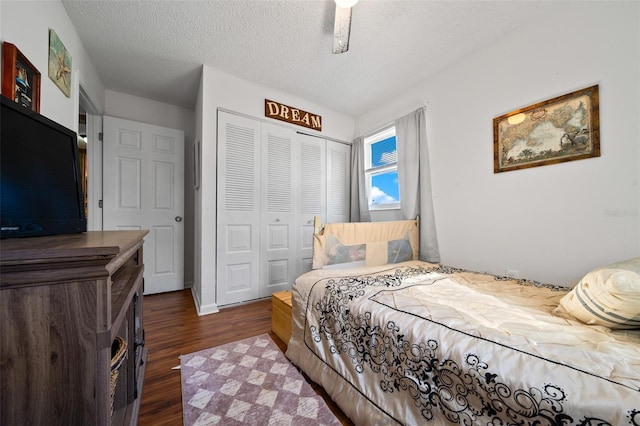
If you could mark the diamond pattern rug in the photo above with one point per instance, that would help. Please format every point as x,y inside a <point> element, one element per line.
<point>248,382</point>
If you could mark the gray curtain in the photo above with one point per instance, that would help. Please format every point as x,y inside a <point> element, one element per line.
<point>359,199</point>
<point>414,180</point>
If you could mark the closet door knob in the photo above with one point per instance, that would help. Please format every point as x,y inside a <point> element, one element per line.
<point>178,218</point>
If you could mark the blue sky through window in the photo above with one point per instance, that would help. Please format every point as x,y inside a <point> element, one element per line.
<point>384,186</point>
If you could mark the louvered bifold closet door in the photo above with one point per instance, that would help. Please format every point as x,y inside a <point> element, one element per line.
<point>238,209</point>
<point>279,206</point>
<point>338,186</point>
<point>312,194</point>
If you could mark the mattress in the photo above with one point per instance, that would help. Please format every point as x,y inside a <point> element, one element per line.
<point>418,343</point>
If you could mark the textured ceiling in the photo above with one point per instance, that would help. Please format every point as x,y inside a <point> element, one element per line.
<point>155,49</point>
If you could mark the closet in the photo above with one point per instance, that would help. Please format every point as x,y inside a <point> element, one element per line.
<point>271,182</point>
<point>323,190</point>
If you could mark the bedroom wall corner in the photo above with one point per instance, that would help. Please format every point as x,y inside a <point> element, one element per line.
<point>196,288</point>
<point>206,122</point>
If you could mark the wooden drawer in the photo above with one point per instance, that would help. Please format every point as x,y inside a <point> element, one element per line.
<point>281,315</point>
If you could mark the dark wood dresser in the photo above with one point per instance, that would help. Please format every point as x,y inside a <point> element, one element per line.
<point>63,301</point>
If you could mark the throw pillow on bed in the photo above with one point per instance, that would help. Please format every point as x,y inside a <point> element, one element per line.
<point>607,296</point>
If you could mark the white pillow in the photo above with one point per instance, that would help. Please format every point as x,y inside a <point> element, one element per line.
<point>607,296</point>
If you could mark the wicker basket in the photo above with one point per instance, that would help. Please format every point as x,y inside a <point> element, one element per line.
<point>118,355</point>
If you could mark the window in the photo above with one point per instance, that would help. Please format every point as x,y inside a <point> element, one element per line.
<point>381,170</point>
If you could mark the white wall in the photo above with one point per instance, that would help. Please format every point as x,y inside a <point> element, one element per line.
<point>196,290</point>
<point>550,223</point>
<point>26,24</point>
<point>129,107</point>
<point>224,91</point>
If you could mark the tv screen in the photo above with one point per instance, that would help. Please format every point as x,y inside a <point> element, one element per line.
<point>40,183</point>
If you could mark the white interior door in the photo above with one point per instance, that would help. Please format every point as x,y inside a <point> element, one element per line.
<point>312,196</point>
<point>338,181</point>
<point>279,179</point>
<point>238,209</point>
<point>144,189</point>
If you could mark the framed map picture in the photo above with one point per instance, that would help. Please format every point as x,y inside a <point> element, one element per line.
<point>59,64</point>
<point>557,130</point>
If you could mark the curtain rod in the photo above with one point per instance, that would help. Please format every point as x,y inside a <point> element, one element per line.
<point>381,128</point>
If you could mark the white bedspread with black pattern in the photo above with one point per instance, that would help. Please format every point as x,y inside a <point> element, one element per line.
<point>415,343</point>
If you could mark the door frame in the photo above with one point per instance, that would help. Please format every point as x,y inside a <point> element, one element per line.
<point>94,159</point>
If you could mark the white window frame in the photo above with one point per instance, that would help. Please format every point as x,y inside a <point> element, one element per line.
<point>370,172</point>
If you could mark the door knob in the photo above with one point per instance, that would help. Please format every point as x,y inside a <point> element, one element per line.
<point>178,218</point>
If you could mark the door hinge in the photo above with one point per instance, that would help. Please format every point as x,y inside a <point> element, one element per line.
<point>100,204</point>
<point>100,136</point>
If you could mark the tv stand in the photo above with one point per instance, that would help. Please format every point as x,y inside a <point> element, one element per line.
<point>63,300</point>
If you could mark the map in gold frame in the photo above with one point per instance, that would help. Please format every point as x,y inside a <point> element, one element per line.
<point>564,128</point>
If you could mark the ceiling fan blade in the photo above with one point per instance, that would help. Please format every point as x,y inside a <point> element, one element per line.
<point>341,29</point>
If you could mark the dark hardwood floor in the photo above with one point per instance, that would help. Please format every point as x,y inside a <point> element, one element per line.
<point>173,328</point>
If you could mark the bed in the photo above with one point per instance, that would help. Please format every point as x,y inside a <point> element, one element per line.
<point>395,340</point>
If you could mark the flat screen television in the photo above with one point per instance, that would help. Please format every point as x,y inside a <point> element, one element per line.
<point>40,183</point>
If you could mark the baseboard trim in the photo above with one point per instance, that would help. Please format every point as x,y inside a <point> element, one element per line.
<point>204,310</point>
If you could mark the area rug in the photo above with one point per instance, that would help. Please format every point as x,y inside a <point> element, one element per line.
<point>248,382</point>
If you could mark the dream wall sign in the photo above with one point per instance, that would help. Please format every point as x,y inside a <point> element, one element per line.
<point>292,115</point>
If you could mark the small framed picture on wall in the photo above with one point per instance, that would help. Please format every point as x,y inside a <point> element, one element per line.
<point>20,79</point>
<point>59,64</point>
